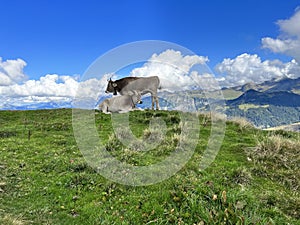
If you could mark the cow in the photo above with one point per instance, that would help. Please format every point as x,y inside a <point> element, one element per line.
<point>120,104</point>
<point>144,85</point>
<point>116,86</point>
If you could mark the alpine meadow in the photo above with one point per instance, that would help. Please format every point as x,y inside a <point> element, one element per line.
<point>156,112</point>
<point>44,178</point>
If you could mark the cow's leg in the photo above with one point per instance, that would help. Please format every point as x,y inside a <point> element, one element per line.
<point>105,108</point>
<point>155,98</point>
<point>152,97</point>
<point>106,111</point>
<point>157,103</point>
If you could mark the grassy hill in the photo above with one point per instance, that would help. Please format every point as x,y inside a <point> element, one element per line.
<point>44,178</point>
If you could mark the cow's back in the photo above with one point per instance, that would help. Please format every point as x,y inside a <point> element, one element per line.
<point>119,103</point>
<point>143,85</point>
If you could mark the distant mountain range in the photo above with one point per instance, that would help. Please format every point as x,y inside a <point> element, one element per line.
<point>269,104</point>
<point>275,85</point>
<point>277,98</point>
<point>37,105</point>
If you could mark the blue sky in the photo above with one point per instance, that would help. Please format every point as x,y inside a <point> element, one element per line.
<point>65,37</point>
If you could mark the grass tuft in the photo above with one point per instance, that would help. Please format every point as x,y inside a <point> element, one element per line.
<point>11,220</point>
<point>242,122</point>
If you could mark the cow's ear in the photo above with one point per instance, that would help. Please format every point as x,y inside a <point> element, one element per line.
<point>114,85</point>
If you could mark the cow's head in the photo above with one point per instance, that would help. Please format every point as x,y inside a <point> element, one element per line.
<point>111,87</point>
<point>137,97</point>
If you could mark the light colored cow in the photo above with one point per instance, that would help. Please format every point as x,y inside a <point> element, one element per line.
<point>143,85</point>
<point>120,104</point>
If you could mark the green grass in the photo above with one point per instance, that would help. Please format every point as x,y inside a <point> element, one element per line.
<point>231,94</point>
<point>44,178</point>
<point>245,107</point>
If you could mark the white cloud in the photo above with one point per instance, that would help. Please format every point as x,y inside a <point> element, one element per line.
<point>173,69</point>
<point>291,25</point>
<point>60,90</point>
<point>11,71</point>
<point>50,88</point>
<point>49,85</point>
<point>288,41</point>
<point>176,72</point>
<point>176,59</point>
<point>250,68</point>
<point>279,45</point>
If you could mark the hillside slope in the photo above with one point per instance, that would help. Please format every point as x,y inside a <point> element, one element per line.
<point>291,127</point>
<point>44,178</point>
<point>269,104</point>
<point>278,98</point>
<point>275,85</point>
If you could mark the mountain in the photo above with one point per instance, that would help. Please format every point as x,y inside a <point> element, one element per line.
<point>37,105</point>
<point>287,84</point>
<point>274,85</point>
<point>269,104</point>
<point>277,98</point>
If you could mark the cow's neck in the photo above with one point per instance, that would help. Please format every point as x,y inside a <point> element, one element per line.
<point>117,89</point>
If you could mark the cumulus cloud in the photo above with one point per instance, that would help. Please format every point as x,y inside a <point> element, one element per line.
<point>91,91</point>
<point>173,69</point>
<point>176,72</point>
<point>247,68</point>
<point>288,42</point>
<point>54,88</point>
<point>11,71</point>
<point>51,85</point>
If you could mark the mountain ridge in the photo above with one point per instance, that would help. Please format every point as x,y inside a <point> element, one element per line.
<point>273,103</point>
<point>284,84</point>
<point>277,98</point>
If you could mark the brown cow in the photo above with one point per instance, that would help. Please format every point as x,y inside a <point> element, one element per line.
<point>117,85</point>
